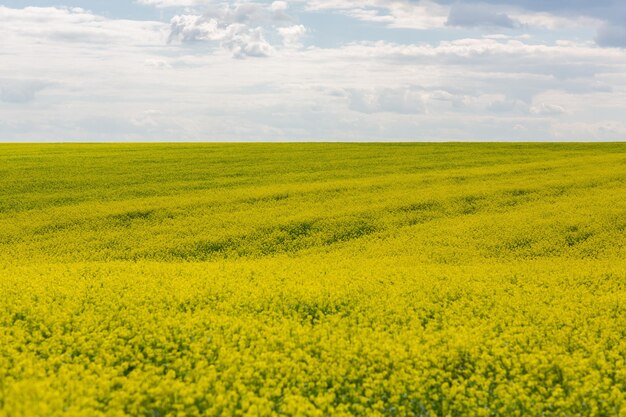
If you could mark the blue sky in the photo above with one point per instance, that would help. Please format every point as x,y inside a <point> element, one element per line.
<point>363,70</point>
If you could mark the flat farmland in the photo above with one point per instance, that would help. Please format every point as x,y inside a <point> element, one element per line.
<point>313,280</point>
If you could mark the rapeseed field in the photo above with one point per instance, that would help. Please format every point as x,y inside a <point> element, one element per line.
<point>313,280</point>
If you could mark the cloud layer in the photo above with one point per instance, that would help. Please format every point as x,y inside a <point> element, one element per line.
<point>316,70</point>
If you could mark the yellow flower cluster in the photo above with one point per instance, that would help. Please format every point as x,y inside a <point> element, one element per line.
<point>313,280</point>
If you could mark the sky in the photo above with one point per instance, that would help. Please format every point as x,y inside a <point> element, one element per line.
<point>312,70</point>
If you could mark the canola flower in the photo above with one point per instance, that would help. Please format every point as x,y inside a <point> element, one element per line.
<point>313,280</point>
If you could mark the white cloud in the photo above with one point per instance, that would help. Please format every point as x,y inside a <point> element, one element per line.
<point>239,28</point>
<point>174,3</point>
<point>53,24</point>
<point>242,40</point>
<point>605,16</point>
<point>386,100</point>
<point>292,35</point>
<point>75,67</point>
<point>547,109</point>
<point>589,131</point>
<point>279,6</point>
<point>424,14</point>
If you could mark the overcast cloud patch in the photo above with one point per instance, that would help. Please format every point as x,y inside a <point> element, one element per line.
<point>457,70</point>
<point>20,91</point>
<point>612,35</point>
<point>465,15</point>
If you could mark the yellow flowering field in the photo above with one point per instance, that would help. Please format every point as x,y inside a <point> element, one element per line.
<point>313,280</point>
